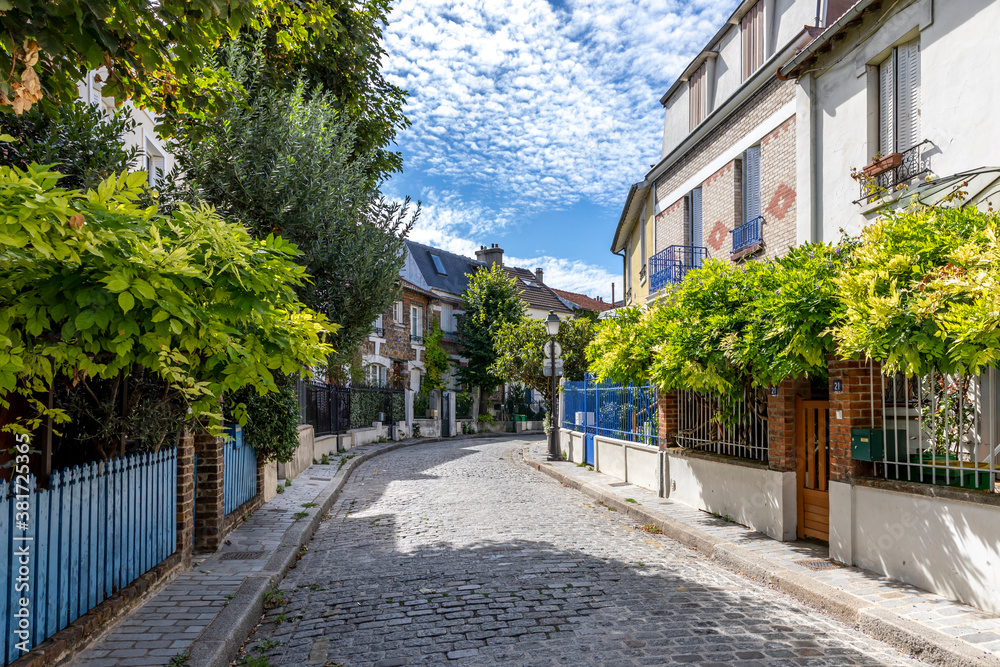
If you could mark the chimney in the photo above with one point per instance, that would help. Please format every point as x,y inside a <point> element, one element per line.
<point>538,276</point>
<point>492,255</point>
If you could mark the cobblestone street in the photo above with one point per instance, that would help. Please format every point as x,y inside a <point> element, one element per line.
<point>457,552</point>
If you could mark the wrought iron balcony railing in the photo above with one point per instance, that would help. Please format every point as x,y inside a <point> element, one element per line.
<point>671,264</point>
<point>877,183</point>
<point>747,235</point>
<point>378,331</point>
<point>417,338</point>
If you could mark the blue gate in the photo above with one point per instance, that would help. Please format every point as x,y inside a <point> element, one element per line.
<point>616,411</point>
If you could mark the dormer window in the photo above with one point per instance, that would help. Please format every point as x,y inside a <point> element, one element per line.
<point>438,265</point>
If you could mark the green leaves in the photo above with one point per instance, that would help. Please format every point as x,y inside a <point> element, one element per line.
<point>519,351</point>
<point>491,300</point>
<point>190,297</point>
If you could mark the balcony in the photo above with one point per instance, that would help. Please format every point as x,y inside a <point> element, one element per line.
<point>378,332</point>
<point>747,238</point>
<point>887,174</point>
<point>449,335</point>
<point>670,265</point>
<point>417,339</point>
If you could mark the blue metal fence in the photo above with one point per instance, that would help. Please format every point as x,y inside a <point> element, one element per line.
<point>748,234</point>
<point>97,528</point>
<point>671,264</point>
<point>239,473</point>
<point>623,412</point>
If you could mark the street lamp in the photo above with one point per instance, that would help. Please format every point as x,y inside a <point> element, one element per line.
<point>552,329</point>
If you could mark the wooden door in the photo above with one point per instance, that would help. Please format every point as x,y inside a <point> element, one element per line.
<point>812,464</point>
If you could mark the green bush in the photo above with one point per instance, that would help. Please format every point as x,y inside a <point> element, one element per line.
<point>272,419</point>
<point>97,285</point>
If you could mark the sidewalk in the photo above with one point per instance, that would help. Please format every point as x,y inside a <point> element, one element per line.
<point>203,616</point>
<point>930,627</point>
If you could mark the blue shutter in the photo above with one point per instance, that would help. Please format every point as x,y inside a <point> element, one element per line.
<point>696,237</point>
<point>751,184</point>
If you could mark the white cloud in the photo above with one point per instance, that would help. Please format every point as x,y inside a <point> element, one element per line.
<point>519,107</point>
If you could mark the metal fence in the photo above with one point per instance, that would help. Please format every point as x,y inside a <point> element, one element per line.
<point>239,472</point>
<point>673,263</point>
<point>97,528</point>
<point>330,409</point>
<point>623,412</point>
<point>942,429</point>
<point>722,425</point>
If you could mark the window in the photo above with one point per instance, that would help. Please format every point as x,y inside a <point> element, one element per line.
<point>751,184</point>
<point>153,164</point>
<point>694,218</point>
<point>697,96</point>
<point>378,327</point>
<point>752,35</point>
<point>397,312</point>
<point>642,245</point>
<point>376,375</point>
<point>899,99</point>
<point>447,318</point>
<point>416,322</point>
<point>438,266</point>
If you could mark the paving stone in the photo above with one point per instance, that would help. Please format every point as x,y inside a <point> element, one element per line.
<point>513,569</point>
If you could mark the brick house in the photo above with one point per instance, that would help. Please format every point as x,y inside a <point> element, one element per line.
<point>725,186</point>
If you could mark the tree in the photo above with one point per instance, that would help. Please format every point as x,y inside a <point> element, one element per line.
<point>435,360</point>
<point>189,297</point>
<point>520,357</point>
<point>491,299</point>
<point>79,141</point>
<point>158,54</point>
<point>284,163</point>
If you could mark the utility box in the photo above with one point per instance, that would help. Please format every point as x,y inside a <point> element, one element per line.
<point>867,444</point>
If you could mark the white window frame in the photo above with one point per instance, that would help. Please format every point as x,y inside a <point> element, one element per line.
<point>416,320</point>
<point>397,313</point>
<point>642,246</point>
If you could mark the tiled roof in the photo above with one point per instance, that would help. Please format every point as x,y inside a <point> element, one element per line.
<point>584,302</point>
<point>535,294</point>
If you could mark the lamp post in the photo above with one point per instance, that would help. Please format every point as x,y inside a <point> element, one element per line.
<point>552,329</point>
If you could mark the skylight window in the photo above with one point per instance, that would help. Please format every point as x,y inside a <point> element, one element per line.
<point>438,266</point>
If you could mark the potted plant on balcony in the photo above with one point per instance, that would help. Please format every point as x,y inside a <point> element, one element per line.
<point>882,163</point>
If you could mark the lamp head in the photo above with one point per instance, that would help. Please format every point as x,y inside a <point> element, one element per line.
<point>552,324</point>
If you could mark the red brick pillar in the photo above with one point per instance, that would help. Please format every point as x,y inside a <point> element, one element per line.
<point>781,421</point>
<point>185,496</point>
<point>668,419</point>
<point>210,511</point>
<point>855,402</point>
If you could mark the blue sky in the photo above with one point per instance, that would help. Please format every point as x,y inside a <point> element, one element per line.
<point>530,119</point>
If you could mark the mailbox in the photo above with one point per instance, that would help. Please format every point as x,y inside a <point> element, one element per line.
<point>867,444</point>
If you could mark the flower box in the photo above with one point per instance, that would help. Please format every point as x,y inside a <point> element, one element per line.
<point>884,163</point>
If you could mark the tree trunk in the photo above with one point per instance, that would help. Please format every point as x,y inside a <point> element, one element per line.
<point>475,408</point>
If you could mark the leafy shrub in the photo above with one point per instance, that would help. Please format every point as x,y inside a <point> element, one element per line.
<point>272,419</point>
<point>190,297</point>
<point>924,292</point>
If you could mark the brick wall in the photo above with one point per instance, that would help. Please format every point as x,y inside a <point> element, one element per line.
<point>781,422</point>
<point>721,198</point>
<point>860,405</point>
<point>777,189</point>
<point>668,418</point>
<point>671,225</point>
<point>210,510</point>
<point>754,111</point>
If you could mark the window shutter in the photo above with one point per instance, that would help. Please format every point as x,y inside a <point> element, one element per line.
<point>696,94</point>
<point>887,105</point>
<point>751,184</point>
<point>696,217</point>
<point>907,96</point>
<point>752,35</point>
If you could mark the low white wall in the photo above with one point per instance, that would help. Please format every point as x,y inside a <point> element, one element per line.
<point>429,428</point>
<point>365,436</point>
<point>304,455</point>
<point>571,443</point>
<point>629,461</point>
<point>326,444</point>
<point>270,481</point>
<point>946,545</point>
<point>746,491</point>
<point>520,427</point>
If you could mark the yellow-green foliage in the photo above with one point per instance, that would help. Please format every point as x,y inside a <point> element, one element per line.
<point>94,284</point>
<point>924,292</point>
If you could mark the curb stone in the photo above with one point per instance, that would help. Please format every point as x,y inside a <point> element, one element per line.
<point>220,642</point>
<point>920,641</point>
